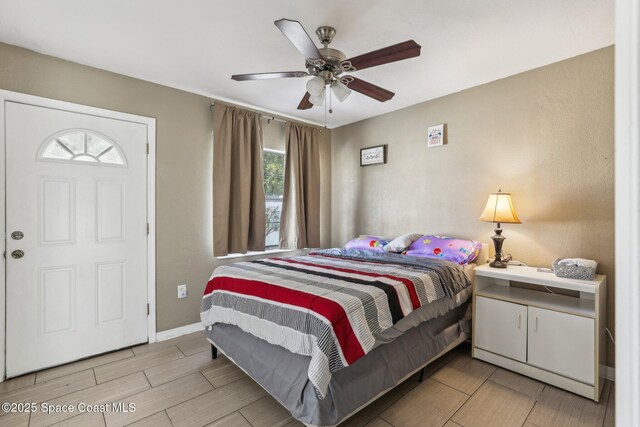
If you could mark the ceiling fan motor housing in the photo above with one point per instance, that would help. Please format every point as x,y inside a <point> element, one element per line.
<point>331,59</point>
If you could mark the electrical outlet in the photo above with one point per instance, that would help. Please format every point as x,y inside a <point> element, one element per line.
<point>182,291</point>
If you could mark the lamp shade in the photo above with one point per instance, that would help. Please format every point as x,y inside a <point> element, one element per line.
<point>340,90</point>
<point>315,86</point>
<point>500,209</point>
<point>318,99</point>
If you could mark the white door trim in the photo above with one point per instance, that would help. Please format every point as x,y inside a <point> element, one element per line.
<point>151,202</point>
<point>627,208</point>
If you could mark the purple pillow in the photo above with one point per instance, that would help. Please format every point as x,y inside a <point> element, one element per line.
<point>366,242</point>
<point>447,248</point>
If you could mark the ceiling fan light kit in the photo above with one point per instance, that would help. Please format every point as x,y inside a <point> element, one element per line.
<point>318,99</point>
<point>340,90</point>
<point>315,86</point>
<point>327,65</point>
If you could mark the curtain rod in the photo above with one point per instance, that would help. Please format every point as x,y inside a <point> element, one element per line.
<point>269,119</point>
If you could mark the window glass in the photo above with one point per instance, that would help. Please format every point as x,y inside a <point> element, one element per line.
<point>112,156</point>
<point>273,172</point>
<point>85,158</point>
<point>97,145</point>
<point>55,151</point>
<point>82,146</point>
<point>73,141</point>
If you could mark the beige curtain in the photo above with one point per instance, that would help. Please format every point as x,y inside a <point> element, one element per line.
<point>300,220</point>
<point>238,191</point>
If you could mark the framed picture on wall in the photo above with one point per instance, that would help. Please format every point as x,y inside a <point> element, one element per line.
<point>373,155</point>
<point>437,135</point>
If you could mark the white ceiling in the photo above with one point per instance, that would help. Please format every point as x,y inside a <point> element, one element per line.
<point>196,45</point>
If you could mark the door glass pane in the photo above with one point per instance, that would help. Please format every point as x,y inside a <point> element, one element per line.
<point>82,146</point>
<point>112,157</point>
<point>55,151</point>
<point>85,158</point>
<point>96,144</point>
<point>73,141</point>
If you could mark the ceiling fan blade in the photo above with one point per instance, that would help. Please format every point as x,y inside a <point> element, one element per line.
<point>397,52</point>
<point>305,104</point>
<point>263,76</point>
<point>296,34</point>
<point>366,88</point>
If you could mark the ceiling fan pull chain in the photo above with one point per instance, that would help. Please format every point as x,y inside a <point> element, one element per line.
<point>330,101</point>
<point>325,115</point>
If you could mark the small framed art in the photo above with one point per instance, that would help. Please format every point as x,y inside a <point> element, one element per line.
<point>437,135</point>
<point>373,155</point>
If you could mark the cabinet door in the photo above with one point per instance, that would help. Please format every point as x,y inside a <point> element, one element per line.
<point>562,343</point>
<point>501,328</point>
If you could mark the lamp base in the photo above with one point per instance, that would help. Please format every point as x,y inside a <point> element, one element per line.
<point>498,239</point>
<point>498,264</point>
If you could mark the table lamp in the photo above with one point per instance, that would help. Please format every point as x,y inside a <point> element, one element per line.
<point>499,209</point>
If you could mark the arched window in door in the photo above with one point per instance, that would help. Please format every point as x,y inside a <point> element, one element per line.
<point>82,146</point>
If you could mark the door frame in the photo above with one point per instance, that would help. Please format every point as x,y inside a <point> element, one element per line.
<point>150,123</point>
<point>627,207</point>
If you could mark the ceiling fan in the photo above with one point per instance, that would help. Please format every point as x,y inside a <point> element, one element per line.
<point>327,65</point>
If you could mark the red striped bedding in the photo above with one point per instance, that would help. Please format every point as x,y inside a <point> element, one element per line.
<point>328,305</point>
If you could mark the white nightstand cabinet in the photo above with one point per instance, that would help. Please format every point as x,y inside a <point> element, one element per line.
<point>557,339</point>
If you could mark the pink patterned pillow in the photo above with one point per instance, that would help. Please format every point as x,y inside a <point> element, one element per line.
<point>366,242</point>
<point>447,248</point>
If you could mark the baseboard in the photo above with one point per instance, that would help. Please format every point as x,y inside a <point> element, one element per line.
<point>610,373</point>
<point>177,332</point>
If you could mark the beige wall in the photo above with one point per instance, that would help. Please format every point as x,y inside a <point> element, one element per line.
<point>183,164</point>
<point>546,135</point>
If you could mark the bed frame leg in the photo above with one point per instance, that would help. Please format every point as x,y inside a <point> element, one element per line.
<point>421,377</point>
<point>214,352</point>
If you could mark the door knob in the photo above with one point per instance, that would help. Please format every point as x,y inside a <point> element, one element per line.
<point>17,235</point>
<point>17,254</point>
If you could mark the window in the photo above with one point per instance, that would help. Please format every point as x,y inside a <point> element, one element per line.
<point>273,173</point>
<point>82,146</point>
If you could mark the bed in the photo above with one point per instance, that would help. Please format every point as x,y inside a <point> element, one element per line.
<point>328,332</point>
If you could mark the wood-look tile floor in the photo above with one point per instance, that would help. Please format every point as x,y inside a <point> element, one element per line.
<point>176,383</point>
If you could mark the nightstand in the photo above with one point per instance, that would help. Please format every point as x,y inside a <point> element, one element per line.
<point>555,338</point>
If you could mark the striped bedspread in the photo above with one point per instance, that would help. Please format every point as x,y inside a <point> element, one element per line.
<point>329,304</point>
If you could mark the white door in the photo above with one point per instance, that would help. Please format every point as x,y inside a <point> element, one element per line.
<point>562,343</point>
<point>76,230</point>
<point>501,328</point>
